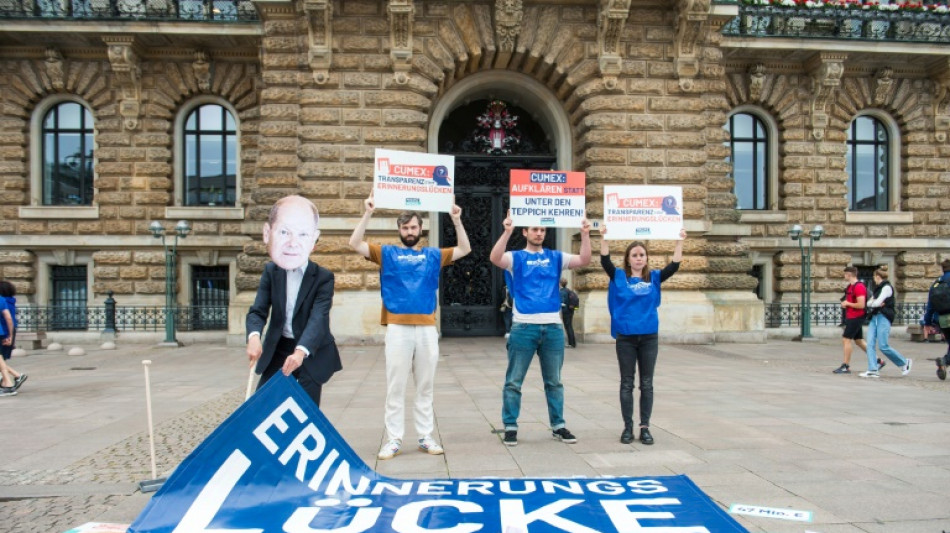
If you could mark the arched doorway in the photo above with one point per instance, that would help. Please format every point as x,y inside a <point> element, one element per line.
<point>472,290</point>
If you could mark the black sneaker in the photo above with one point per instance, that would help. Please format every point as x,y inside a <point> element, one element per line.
<point>881,364</point>
<point>941,368</point>
<point>843,369</point>
<point>564,436</point>
<point>19,381</point>
<point>511,438</point>
<point>7,391</point>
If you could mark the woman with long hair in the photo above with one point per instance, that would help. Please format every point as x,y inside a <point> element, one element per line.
<point>881,309</point>
<point>633,297</point>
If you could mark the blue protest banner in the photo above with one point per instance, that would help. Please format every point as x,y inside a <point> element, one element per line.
<point>277,465</point>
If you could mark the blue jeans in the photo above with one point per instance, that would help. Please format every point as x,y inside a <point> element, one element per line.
<point>547,340</point>
<point>879,330</point>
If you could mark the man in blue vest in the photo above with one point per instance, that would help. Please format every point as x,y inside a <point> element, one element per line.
<point>409,279</point>
<point>535,276</point>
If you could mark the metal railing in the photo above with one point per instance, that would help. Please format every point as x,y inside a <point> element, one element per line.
<point>127,318</point>
<point>779,315</point>
<point>839,23</point>
<point>145,10</point>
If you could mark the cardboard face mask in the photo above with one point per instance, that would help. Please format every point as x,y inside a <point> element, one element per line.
<point>290,238</point>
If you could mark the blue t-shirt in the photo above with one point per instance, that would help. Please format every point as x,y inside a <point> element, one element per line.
<point>409,279</point>
<point>632,301</point>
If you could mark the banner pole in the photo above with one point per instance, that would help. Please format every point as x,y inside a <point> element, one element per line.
<point>148,410</point>
<point>250,384</point>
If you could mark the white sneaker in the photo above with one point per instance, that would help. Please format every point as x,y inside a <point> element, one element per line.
<point>390,449</point>
<point>430,446</point>
<point>869,374</point>
<point>906,368</point>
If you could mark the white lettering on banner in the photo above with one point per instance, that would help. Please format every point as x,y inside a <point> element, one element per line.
<point>434,488</point>
<point>513,516</point>
<point>505,487</point>
<point>404,489</point>
<point>573,487</point>
<point>481,487</point>
<point>306,454</point>
<point>406,519</point>
<point>626,521</point>
<point>646,486</point>
<point>204,508</point>
<point>321,472</point>
<point>610,488</point>
<point>363,520</point>
<point>276,419</point>
<point>342,480</point>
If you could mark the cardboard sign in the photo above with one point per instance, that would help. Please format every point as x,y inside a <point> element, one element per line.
<point>547,198</point>
<point>277,465</point>
<point>643,212</point>
<point>770,512</point>
<point>414,181</point>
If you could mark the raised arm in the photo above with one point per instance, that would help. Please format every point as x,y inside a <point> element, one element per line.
<point>497,256</point>
<point>678,249</point>
<point>604,247</point>
<point>462,247</point>
<point>356,240</point>
<point>583,258</point>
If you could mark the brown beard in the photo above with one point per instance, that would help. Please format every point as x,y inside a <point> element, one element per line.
<point>409,243</point>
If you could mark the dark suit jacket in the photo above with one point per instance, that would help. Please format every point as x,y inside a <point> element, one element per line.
<point>311,322</point>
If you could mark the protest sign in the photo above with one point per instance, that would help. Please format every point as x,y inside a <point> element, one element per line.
<point>547,198</point>
<point>413,181</point>
<point>277,465</point>
<point>643,212</point>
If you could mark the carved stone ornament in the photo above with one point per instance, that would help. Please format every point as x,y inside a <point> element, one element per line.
<point>613,16</point>
<point>319,15</point>
<point>883,81</point>
<point>125,67</point>
<point>508,16</point>
<point>54,68</point>
<point>202,68</point>
<point>691,19</point>
<point>826,72</point>
<point>756,81</point>
<point>941,105</point>
<point>400,28</point>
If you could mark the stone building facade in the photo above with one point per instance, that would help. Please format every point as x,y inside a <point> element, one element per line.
<point>627,91</point>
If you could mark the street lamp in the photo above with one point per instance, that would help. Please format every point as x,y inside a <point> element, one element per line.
<point>182,229</point>
<point>795,232</point>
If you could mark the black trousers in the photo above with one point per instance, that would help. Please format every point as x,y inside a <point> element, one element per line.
<point>284,348</point>
<point>567,317</point>
<point>635,351</point>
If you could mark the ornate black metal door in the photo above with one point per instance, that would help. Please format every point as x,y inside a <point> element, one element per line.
<point>472,289</point>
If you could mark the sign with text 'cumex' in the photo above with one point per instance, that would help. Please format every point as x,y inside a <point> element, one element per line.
<point>643,212</point>
<point>547,198</point>
<point>413,181</point>
<point>278,466</point>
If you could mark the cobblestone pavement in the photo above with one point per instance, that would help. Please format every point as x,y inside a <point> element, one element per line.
<point>763,424</point>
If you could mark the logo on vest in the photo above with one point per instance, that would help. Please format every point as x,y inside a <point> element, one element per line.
<point>538,262</point>
<point>421,258</point>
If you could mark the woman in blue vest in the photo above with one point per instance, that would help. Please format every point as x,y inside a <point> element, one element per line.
<point>633,297</point>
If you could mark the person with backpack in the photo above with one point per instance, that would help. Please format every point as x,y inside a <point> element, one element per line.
<point>882,311</point>
<point>853,304</point>
<point>633,297</point>
<point>569,303</point>
<point>937,315</point>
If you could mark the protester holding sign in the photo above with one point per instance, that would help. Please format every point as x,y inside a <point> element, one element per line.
<point>633,297</point>
<point>409,279</point>
<point>297,294</point>
<point>535,275</point>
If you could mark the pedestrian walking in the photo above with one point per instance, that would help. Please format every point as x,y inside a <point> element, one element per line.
<point>8,301</point>
<point>633,298</point>
<point>855,296</point>
<point>937,315</point>
<point>536,328</point>
<point>881,309</point>
<point>409,281</point>
<point>569,303</point>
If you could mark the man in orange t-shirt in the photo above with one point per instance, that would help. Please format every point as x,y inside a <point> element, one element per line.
<point>409,281</point>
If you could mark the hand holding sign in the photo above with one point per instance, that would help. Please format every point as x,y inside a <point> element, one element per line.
<point>369,205</point>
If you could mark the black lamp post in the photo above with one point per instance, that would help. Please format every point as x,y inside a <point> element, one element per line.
<point>796,234</point>
<point>182,229</point>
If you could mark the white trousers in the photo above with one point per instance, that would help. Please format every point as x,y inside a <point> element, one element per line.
<point>410,349</point>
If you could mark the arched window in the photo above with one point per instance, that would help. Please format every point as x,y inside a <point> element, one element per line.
<point>67,147</point>
<point>868,165</point>
<point>749,155</point>
<point>210,157</point>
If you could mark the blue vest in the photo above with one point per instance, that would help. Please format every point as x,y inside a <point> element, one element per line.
<point>535,280</point>
<point>409,279</point>
<point>632,303</point>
